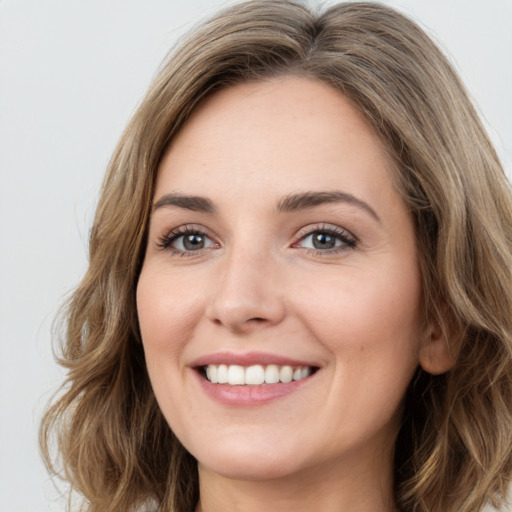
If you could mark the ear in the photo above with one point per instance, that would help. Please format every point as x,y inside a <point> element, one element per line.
<point>436,355</point>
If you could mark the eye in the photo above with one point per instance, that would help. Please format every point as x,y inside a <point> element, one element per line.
<point>191,242</point>
<point>327,240</point>
<point>186,240</point>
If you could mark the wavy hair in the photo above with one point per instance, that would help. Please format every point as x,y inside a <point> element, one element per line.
<point>454,450</point>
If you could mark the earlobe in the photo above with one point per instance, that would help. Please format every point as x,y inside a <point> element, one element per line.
<point>436,355</point>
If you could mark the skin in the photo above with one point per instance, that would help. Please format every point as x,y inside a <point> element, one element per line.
<point>259,284</point>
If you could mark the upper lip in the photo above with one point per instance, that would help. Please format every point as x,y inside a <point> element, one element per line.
<point>249,359</point>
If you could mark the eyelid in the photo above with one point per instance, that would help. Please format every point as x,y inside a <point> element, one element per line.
<point>349,241</point>
<point>164,242</point>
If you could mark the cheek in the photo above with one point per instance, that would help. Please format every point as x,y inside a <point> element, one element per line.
<point>362,302</point>
<point>369,321</point>
<point>166,311</point>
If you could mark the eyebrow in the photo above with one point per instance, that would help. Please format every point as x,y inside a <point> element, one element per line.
<point>289,203</point>
<point>305,200</point>
<point>194,203</point>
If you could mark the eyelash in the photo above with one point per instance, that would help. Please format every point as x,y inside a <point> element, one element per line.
<point>165,242</point>
<point>348,241</point>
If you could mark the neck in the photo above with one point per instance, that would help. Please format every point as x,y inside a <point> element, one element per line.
<point>355,487</point>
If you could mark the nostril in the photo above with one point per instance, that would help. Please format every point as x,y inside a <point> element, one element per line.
<point>245,312</point>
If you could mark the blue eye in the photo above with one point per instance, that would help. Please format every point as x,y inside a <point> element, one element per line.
<point>191,242</point>
<point>323,241</point>
<point>184,239</point>
<point>327,240</point>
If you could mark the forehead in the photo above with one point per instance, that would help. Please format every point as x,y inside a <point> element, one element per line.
<point>274,136</point>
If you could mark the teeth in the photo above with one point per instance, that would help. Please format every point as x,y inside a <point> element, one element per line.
<point>211,373</point>
<point>236,375</point>
<point>286,374</point>
<point>254,375</point>
<point>222,374</point>
<point>271,374</point>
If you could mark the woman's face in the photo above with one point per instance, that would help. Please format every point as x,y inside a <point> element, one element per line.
<point>280,254</point>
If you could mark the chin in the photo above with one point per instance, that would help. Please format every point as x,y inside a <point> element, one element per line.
<point>248,459</point>
<point>241,468</point>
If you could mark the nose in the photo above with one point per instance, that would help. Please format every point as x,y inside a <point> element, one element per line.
<point>248,295</point>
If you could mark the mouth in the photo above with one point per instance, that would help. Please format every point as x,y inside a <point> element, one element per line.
<point>254,375</point>
<point>251,379</point>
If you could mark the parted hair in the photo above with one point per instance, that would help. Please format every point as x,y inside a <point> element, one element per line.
<point>104,432</point>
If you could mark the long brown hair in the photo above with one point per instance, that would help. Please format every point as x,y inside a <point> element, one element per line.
<point>454,450</point>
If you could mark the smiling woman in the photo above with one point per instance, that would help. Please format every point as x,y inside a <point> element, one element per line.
<point>298,295</point>
<point>333,333</point>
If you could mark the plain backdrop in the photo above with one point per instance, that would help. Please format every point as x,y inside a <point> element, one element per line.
<point>71,74</point>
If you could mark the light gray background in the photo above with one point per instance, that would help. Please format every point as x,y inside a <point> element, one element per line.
<point>71,74</point>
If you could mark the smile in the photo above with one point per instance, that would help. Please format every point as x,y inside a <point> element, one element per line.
<point>254,375</point>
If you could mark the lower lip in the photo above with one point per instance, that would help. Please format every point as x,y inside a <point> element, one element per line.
<point>249,396</point>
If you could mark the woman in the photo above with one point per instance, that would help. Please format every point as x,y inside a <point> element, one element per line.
<point>298,292</point>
